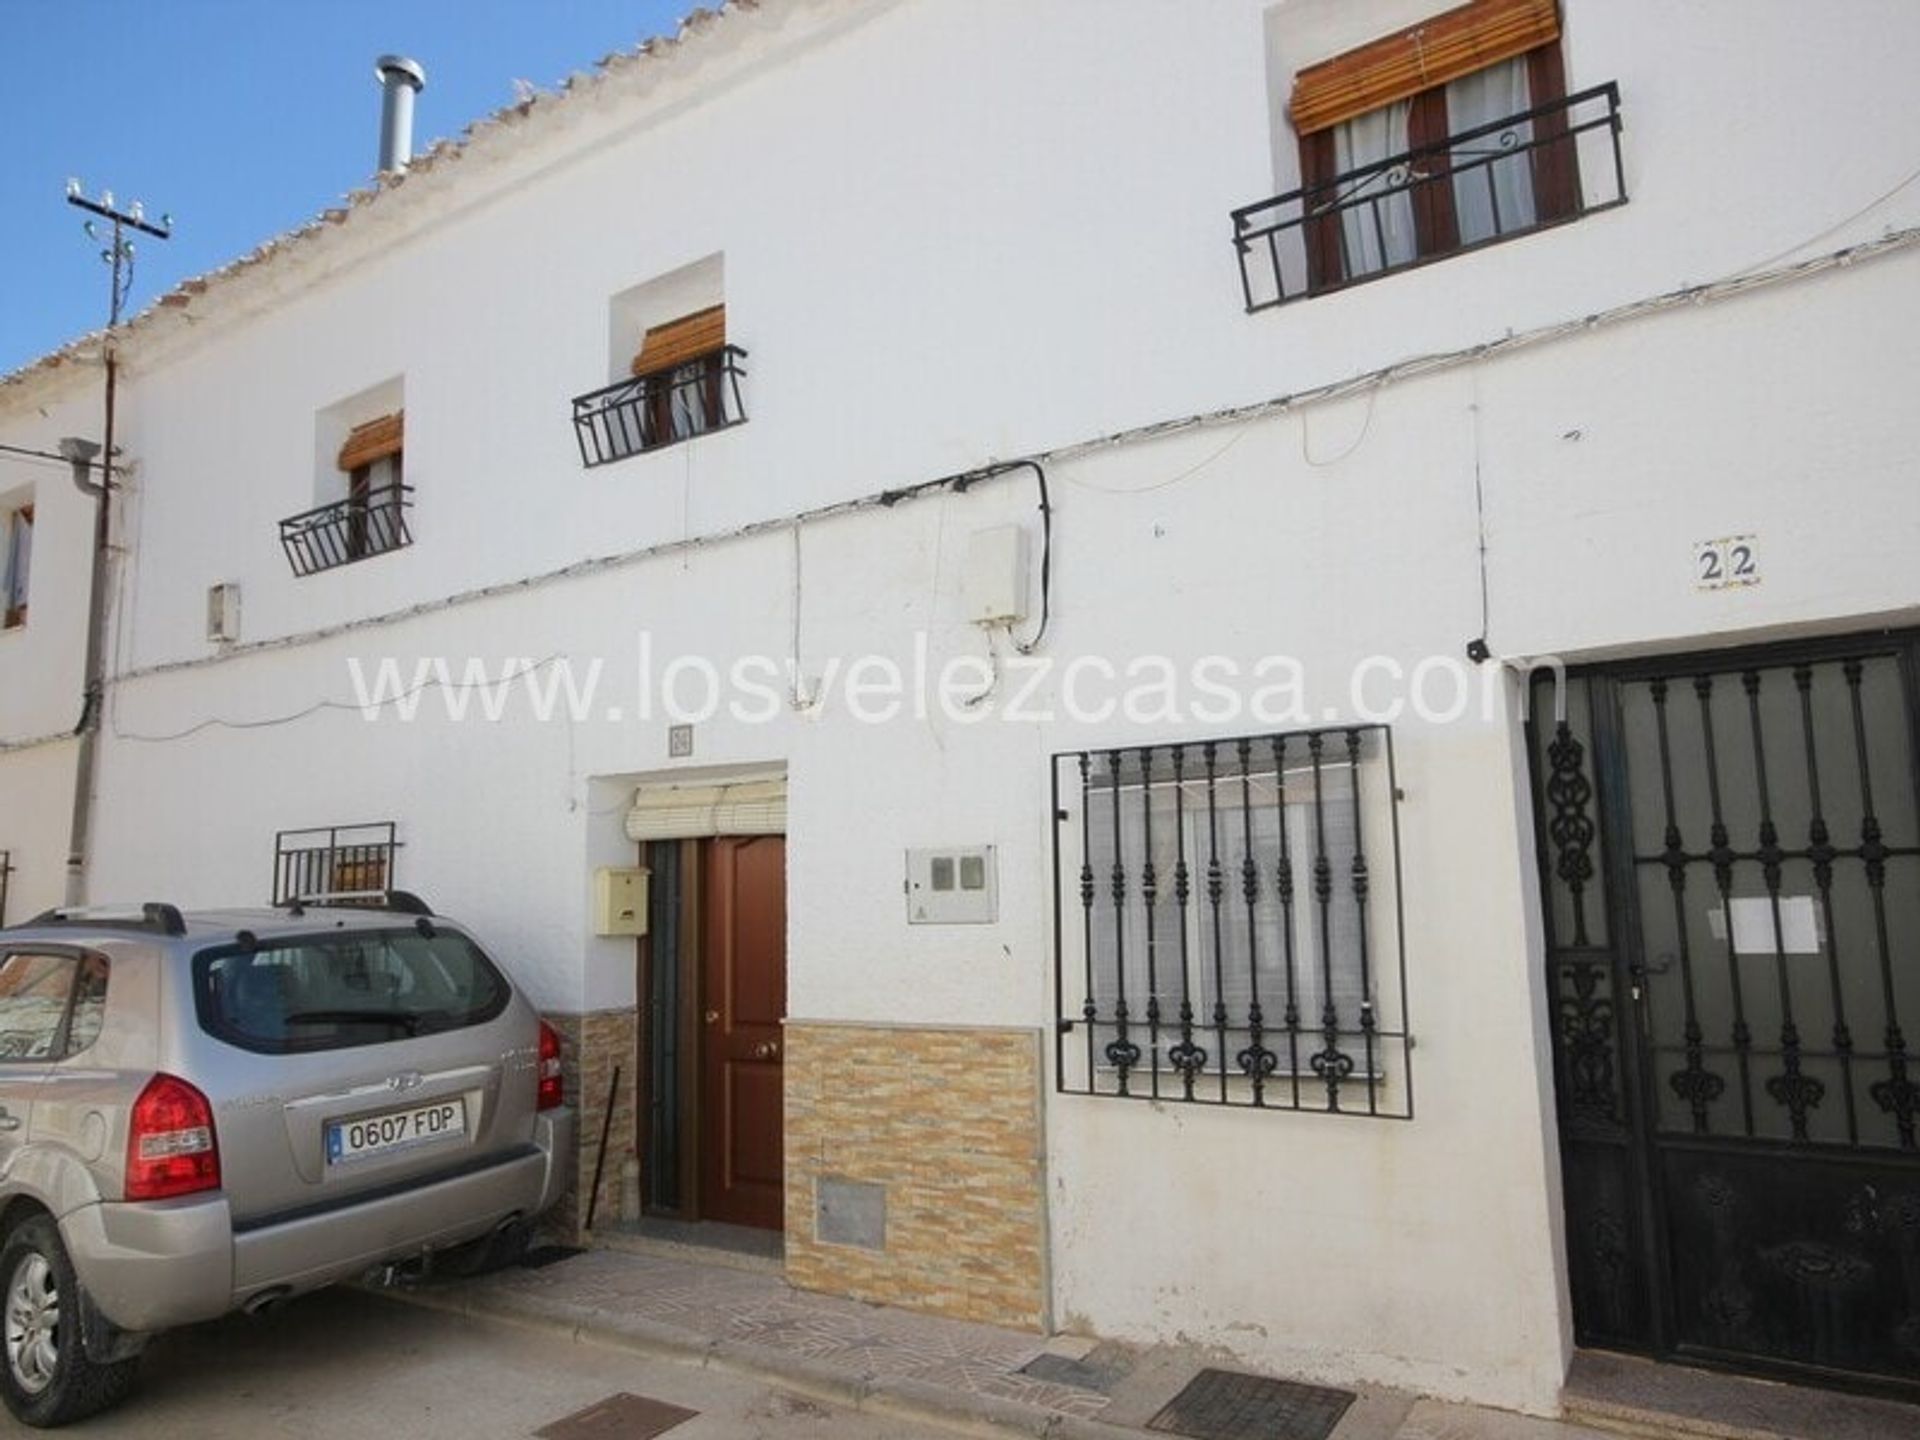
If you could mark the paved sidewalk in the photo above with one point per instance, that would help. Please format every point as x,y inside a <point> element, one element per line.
<point>887,1361</point>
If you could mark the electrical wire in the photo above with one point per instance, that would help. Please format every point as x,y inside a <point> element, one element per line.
<point>1478,648</point>
<point>1833,229</point>
<point>320,706</point>
<point>1172,480</point>
<point>38,457</point>
<point>1366,425</point>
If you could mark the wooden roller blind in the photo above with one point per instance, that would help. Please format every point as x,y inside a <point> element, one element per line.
<point>678,341</point>
<point>373,441</point>
<point>1419,57</point>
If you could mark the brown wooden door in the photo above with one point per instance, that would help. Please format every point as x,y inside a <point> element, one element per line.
<point>743,1000</point>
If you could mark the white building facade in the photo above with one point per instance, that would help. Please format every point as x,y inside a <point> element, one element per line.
<point>994,404</point>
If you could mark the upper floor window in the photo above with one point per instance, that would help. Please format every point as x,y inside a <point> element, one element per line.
<point>1447,135</point>
<point>686,382</point>
<point>16,564</point>
<point>370,518</point>
<point>674,372</point>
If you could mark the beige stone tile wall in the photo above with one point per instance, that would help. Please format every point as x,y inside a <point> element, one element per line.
<point>948,1121</point>
<point>590,1046</point>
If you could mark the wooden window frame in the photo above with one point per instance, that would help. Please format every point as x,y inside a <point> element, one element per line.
<point>1436,221</point>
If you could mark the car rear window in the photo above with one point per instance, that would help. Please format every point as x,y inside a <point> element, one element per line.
<point>345,988</point>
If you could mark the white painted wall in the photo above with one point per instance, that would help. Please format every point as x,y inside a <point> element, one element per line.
<point>959,231</point>
<point>42,662</point>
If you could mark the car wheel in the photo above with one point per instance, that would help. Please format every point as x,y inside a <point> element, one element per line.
<point>46,1377</point>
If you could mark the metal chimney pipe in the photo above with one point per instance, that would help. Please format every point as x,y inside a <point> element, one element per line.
<point>400,80</point>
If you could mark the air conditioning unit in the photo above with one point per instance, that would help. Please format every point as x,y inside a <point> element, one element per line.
<point>223,613</point>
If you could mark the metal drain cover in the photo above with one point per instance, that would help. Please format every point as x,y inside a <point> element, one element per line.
<point>618,1417</point>
<point>1226,1405</point>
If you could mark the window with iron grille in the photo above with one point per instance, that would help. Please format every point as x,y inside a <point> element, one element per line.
<point>343,864</point>
<point>1228,925</point>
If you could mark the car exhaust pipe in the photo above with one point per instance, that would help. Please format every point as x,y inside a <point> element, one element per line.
<point>267,1300</point>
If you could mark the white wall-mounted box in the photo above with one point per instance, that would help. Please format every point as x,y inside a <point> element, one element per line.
<point>996,580</point>
<point>620,901</point>
<point>952,885</point>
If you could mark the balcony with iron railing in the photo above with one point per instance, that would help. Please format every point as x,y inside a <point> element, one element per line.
<point>344,864</point>
<point>651,412</point>
<point>1541,167</point>
<point>357,528</point>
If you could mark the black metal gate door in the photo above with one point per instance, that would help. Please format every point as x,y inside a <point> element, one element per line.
<point>1730,853</point>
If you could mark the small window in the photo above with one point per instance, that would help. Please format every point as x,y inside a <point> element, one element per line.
<point>34,990</point>
<point>345,989</point>
<point>364,498</point>
<point>675,372</point>
<point>16,564</point>
<point>338,864</point>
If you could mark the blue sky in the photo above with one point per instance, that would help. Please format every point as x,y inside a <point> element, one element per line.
<point>240,117</point>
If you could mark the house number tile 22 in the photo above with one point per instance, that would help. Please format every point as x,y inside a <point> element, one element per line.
<point>1722,564</point>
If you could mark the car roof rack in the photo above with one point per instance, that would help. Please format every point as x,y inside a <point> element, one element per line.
<point>400,902</point>
<point>155,917</point>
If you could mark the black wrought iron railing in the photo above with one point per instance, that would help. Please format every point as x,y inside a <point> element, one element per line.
<point>1228,926</point>
<point>650,412</point>
<point>1541,167</point>
<point>348,530</point>
<point>342,863</point>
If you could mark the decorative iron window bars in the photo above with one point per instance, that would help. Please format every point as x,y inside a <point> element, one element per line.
<point>356,528</point>
<point>650,412</point>
<point>340,861</point>
<point>1331,234</point>
<point>1239,931</point>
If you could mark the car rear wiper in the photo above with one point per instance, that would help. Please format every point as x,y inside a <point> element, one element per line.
<point>400,1019</point>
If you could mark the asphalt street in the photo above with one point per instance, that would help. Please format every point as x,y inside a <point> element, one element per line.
<point>349,1364</point>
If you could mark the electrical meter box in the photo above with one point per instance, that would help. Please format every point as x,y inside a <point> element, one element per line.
<point>955,885</point>
<point>620,901</point>
<point>995,584</point>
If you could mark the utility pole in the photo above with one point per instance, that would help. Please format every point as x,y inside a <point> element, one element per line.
<point>119,256</point>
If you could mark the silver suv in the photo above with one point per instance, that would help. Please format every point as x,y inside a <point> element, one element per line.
<point>216,1111</point>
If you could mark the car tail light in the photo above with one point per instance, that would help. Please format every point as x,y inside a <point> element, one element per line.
<point>552,1091</point>
<point>171,1147</point>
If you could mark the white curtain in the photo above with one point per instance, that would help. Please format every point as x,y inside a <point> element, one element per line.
<point>690,409</point>
<point>1484,98</point>
<point>1228,842</point>
<point>1377,229</point>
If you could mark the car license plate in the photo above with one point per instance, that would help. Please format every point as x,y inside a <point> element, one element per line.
<point>398,1130</point>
